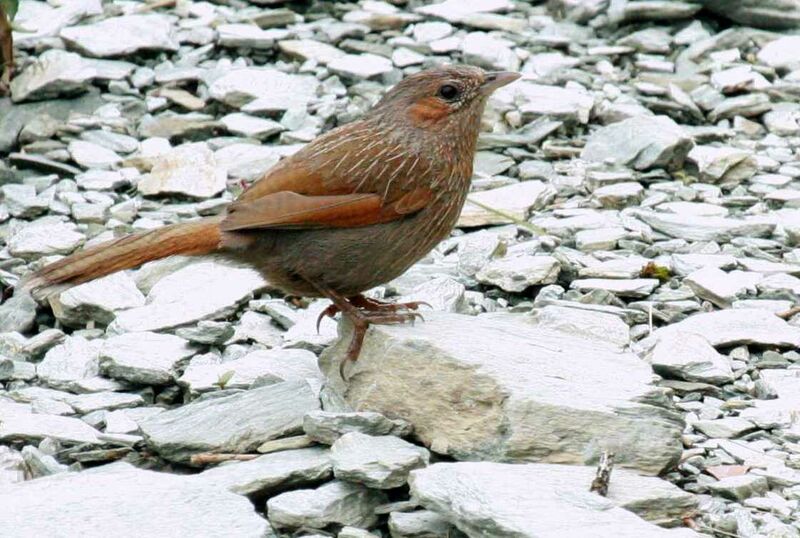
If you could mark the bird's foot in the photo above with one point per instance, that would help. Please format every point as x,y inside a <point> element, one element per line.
<point>361,320</point>
<point>365,304</point>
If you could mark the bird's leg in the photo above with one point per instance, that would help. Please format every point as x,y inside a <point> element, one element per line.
<point>361,318</point>
<point>373,305</point>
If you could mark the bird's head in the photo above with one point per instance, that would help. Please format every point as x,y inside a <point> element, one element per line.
<point>438,97</point>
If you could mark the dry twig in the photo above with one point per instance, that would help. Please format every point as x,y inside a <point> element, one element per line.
<point>602,478</point>
<point>206,458</point>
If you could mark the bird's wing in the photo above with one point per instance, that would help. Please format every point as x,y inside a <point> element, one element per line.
<point>331,184</point>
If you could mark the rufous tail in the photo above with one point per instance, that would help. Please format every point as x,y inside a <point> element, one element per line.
<point>188,238</point>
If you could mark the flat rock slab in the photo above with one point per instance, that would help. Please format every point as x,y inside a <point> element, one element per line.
<point>174,300</point>
<point>121,500</point>
<point>237,423</point>
<point>543,501</point>
<point>498,387</point>
<point>17,426</point>
<point>733,327</point>
<point>264,475</point>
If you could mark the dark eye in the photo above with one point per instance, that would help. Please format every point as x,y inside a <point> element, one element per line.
<point>448,92</point>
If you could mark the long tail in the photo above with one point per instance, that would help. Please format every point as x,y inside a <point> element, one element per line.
<point>188,238</point>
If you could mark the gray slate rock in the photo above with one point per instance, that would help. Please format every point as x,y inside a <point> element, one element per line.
<point>97,300</point>
<point>641,142</point>
<point>272,472</point>
<point>121,500</point>
<point>380,462</point>
<point>18,313</point>
<point>236,423</point>
<point>419,524</point>
<point>119,36</point>
<point>174,300</point>
<point>545,394</point>
<point>328,426</point>
<point>336,502</point>
<point>144,358</point>
<point>732,327</point>
<point>495,500</point>
<point>690,357</point>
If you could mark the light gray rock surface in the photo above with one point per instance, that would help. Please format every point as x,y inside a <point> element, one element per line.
<point>378,462</point>
<point>238,422</point>
<point>493,500</point>
<point>270,473</point>
<point>523,376</point>
<point>120,500</point>
<point>336,502</point>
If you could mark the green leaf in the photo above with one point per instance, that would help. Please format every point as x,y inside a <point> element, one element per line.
<point>10,7</point>
<point>224,378</point>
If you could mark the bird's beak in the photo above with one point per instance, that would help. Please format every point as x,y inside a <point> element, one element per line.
<point>497,79</point>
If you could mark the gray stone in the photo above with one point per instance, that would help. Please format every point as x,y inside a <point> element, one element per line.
<point>11,370</point>
<point>379,462</point>
<point>738,488</point>
<point>607,329</point>
<point>556,397</point>
<point>108,401</point>
<point>259,366</point>
<point>31,427</point>
<point>490,52</point>
<point>91,155</point>
<point>53,74</point>
<point>723,164</point>
<point>690,357</point>
<point>419,524</point>
<point>546,501</point>
<point>17,313</point>
<point>118,36</point>
<point>336,502</point>
<point>516,201</point>
<point>756,13</point>
<point>309,49</point>
<point>121,500</point>
<point>732,327</point>
<point>40,464</point>
<point>248,35</point>
<point>66,365</point>
<point>189,169</point>
<point>724,428</point>
<point>719,287</point>
<point>328,426</point>
<point>642,142</point>
<point>237,423</point>
<point>635,287</point>
<point>22,201</point>
<point>781,53</point>
<point>251,126</point>
<point>695,228</point>
<point>44,236</point>
<point>456,10</point>
<point>270,473</point>
<point>207,332</point>
<point>263,90</point>
<point>144,358</point>
<point>517,273</point>
<point>174,300</point>
<point>97,300</point>
<point>361,66</point>
<point>559,103</point>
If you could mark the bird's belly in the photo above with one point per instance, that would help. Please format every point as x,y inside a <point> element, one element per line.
<point>348,260</point>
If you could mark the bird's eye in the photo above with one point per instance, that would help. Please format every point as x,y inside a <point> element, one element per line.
<point>448,92</point>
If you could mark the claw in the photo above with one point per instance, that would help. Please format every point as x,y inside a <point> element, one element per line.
<point>331,311</point>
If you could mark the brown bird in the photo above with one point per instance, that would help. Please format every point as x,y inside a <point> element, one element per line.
<point>351,210</point>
